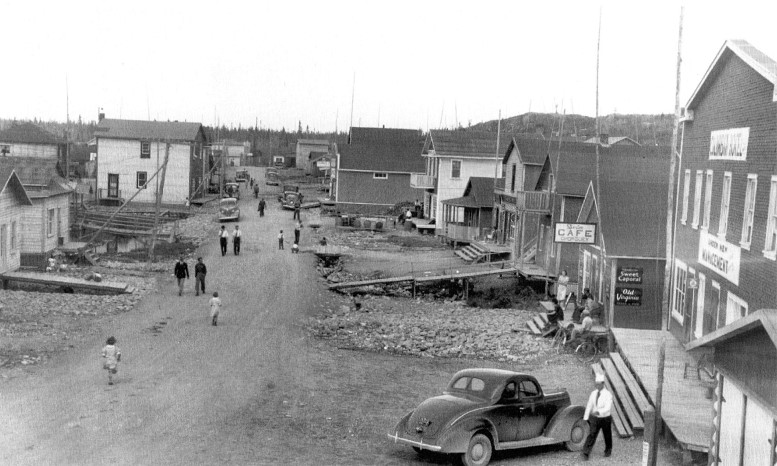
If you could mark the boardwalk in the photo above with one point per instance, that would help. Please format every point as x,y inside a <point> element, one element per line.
<point>685,410</point>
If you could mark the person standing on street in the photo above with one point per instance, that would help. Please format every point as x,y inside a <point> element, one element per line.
<point>256,191</point>
<point>417,208</point>
<point>297,207</point>
<point>236,235</point>
<point>280,240</point>
<point>297,228</point>
<point>181,273</point>
<point>199,276</point>
<point>223,236</point>
<point>112,355</point>
<point>215,308</point>
<point>261,207</point>
<point>598,415</point>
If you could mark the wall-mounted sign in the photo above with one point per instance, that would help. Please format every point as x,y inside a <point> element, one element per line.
<point>625,296</point>
<point>323,164</point>
<point>729,144</point>
<point>584,233</point>
<point>719,256</point>
<point>632,275</point>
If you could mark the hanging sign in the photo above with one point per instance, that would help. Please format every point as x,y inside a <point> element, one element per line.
<point>583,233</point>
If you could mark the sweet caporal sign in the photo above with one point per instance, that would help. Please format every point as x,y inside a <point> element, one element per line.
<point>584,233</point>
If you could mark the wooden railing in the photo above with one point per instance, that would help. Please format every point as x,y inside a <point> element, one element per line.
<point>419,180</point>
<point>102,193</point>
<point>458,232</point>
<point>537,201</point>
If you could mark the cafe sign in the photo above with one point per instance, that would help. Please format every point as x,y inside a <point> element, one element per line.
<point>627,296</point>
<point>629,275</point>
<point>719,256</point>
<point>583,233</point>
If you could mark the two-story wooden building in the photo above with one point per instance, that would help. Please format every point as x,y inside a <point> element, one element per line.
<point>375,168</point>
<point>13,199</point>
<point>304,149</point>
<point>129,152</point>
<point>725,264</point>
<point>28,140</point>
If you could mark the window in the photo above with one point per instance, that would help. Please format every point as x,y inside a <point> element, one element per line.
<point>380,176</point>
<point>455,168</point>
<point>686,192</point>
<point>736,308</point>
<point>142,179</point>
<point>770,249</point>
<point>528,389</point>
<point>50,223</point>
<point>697,198</point>
<point>5,149</point>
<point>13,235</point>
<point>512,180</point>
<point>705,222</point>
<point>678,297</point>
<point>747,221</point>
<point>3,246</point>
<point>725,196</point>
<point>145,150</point>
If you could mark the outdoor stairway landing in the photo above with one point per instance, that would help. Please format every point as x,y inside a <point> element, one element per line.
<point>472,253</point>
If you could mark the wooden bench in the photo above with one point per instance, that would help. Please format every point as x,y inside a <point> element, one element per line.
<point>618,419</point>
<point>622,394</point>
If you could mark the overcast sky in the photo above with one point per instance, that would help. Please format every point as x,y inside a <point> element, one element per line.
<point>417,64</point>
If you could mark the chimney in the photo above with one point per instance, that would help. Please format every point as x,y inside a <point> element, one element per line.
<point>604,139</point>
<point>100,116</point>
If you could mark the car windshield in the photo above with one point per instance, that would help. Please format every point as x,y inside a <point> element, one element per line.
<point>228,203</point>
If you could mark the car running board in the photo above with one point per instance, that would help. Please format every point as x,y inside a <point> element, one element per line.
<point>535,442</point>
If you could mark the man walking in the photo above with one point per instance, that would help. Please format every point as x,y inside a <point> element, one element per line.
<point>280,240</point>
<point>181,273</point>
<point>261,207</point>
<point>597,413</point>
<point>236,240</point>
<point>199,277</point>
<point>297,207</point>
<point>297,228</point>
<point>223,236</point>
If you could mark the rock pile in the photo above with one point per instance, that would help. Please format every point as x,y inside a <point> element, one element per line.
<point>430,329</point>
<point>198,227</point>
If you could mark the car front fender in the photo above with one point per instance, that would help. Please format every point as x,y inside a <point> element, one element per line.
<point>560,426</point>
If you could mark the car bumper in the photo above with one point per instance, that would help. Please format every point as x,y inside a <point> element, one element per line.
<point>416,443</point>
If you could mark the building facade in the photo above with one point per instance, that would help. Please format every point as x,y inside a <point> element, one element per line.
<point>305,147</point>
<point>13,198</point>
<point>28,140</point>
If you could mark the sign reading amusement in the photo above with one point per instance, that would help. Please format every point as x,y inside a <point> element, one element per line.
<point>719,256</point>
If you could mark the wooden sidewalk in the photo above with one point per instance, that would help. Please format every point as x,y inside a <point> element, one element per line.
<point>54,279</point>
<point>685,410</point>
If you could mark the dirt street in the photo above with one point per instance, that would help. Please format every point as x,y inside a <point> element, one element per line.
<point>254,390</point>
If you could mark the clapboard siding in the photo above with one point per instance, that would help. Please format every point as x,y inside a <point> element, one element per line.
<point>35,238</point>
<point>47,151</point>
<point>10,211</point>
<point>122,157</point>
<point>451,188</point>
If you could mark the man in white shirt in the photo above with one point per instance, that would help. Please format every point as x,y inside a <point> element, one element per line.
<point>236,240</point>
<point>597,413</point>
<point>223,236</point>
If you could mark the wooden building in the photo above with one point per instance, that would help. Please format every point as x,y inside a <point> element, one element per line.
<point>305,147</point>
<point>129,152</point>
<point>28,140</point>
<point>468,218</point>
<point>374,170</point>
<point>13,199</point>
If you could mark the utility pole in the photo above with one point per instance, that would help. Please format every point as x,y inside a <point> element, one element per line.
<point>159,193</point>
<point>67,130</point>
<point>653,449</point>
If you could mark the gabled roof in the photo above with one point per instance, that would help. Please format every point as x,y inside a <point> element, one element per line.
<point>464,143</point>
<point>531,151</point>
<point>632,206</point>
<point>754,58</point>
<point>148,130</point>
<point>33,171</point>
<point>8,178</point>
<point>28,133</point>
<point>612,140</point>
<point>388,150</point>
<point>766,318</point>
<point>478,193</point>
<point>56,187</point>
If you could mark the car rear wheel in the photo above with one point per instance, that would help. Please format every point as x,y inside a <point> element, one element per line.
<point>478,452</point>
<point>578,435</point>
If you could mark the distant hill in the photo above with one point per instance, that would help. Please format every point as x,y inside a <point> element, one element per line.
<point>645,129</point>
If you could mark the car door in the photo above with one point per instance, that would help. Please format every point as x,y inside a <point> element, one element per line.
<point>506,413</point>
<point>531,410</point>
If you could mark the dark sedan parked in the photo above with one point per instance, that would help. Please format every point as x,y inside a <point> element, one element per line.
<point>483,410</point>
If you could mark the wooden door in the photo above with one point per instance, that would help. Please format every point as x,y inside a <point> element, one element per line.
<point>113,185</point>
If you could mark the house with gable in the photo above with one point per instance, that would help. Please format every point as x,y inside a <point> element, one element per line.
<point>725,264</point>
<point>13,198</point>
<point>468,218</point>
<point>305,147</point>
<point>607,140</point>
<point>452,157</point>
<point>375,167</point>
<point>29,140</point>
<point>129,152</point>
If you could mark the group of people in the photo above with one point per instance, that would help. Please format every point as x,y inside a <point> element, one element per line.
<point>236,239</point>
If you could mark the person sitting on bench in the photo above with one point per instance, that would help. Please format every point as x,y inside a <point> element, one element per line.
<point>581,330</point>
<point>556,315</point>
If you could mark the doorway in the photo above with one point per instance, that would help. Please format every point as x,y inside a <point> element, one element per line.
<point>113,185</point>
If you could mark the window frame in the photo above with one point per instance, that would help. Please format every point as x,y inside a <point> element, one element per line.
<point>748,216</point>
<point>454,163</point>
<point>697,198</point>
<point>725,205</point>
<point>741,303</point>
<point>770,250</point>
<point>379,176</point>
<point>145,154</point>
<point>686,195</point>
<point>678,312</point>
<point>705,220</point>
<point>50,223</point>
<point>13,235</point>
<point>137,180</point>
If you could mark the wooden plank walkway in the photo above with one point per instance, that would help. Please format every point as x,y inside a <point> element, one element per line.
<point>618,418</point>
<point>53,279</point>
<point>621,393</point>
<point>637,394</point>
<point>685,410</point>
<point>431,278</point>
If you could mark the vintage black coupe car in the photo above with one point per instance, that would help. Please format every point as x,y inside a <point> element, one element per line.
<point>483,410</point>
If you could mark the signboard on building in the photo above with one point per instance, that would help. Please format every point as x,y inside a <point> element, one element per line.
<point>583,233</point>
<point>627,296</point>
<point>719,256</point>
<point>323,164</point>
<point>729,144</point>
<point>629,275</point>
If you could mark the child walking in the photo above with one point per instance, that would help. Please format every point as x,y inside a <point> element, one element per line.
<point>280,240</point>
<point>112,355</point>
<point>215,307</point>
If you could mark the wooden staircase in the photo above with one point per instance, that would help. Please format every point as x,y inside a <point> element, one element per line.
<point>472,253</point>
<point>629,399</point>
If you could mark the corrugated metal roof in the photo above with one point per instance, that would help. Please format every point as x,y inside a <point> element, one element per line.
<point>389,151</point>
<point>463,143</point>
<point>27,133</point>
<point>150,130</point>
